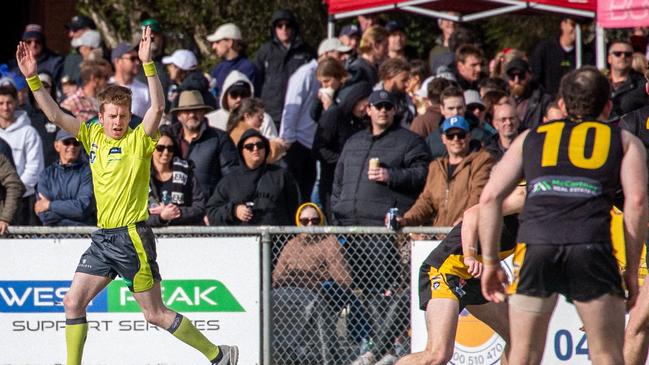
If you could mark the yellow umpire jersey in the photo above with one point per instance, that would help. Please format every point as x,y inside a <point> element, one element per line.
<point>121,171</point>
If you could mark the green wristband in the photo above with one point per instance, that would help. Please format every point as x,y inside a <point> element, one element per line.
<point>149,69</point>
<point>34,83</point>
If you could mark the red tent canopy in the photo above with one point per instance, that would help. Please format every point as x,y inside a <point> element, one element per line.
<point>470,9</point>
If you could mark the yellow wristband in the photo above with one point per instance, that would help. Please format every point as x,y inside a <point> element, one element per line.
<point>149,69</point>
<point>34,83</point>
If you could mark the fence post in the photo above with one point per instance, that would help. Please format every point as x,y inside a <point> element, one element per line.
<point>267,340</point>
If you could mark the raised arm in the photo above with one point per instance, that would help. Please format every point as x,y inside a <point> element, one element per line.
<point>27,64</point>
<point>153,115</point>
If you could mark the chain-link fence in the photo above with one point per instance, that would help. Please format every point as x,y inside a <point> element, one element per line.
<point>337,295</point>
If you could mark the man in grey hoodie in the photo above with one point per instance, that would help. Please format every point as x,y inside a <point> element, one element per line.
<point>16,129</point>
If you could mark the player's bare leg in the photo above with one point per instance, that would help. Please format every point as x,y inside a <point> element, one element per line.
<point>153,309</point>
<point>441,324</point>
<point>156,313</point>
<point>528,321</point>
<point>83,289</point>
<point>603,320</point>
<point>636,337</point>
<point>496,316</point>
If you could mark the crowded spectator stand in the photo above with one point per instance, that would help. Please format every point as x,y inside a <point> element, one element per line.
<point>606,12</point>
<point>359,317</point>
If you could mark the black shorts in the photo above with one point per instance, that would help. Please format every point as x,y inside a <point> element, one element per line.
<point>580,272</point>
<point>435,285</point>
<point>129,252</point>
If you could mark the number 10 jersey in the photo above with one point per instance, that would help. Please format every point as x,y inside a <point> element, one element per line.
<point>572,171</point>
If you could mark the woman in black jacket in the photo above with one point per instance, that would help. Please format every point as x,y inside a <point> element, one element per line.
<point>257,193</point>
<point>175,197</point>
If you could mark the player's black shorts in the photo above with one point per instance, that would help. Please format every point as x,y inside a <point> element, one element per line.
<point>580,272</point>
<point>435,285</point>
<point>129,252</point>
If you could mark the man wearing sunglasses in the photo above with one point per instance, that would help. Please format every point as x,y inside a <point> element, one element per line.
<point>454,181</point>
<point>127,65</point>
<point>64,190</point>
<point>277,59</point>
<point>48,60</point>
<point>530,99</point>
<point>624,80</point>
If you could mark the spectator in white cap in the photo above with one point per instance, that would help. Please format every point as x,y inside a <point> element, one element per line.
<point>298,127</point>
<point>184,75</point>
<point>87,43</point>
<point>475,105</point>
<point>228,45</point>
<point>78,25</point>
<point>178,66</point>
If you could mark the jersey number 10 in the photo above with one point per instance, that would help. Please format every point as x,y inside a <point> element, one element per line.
<point>576,144</point>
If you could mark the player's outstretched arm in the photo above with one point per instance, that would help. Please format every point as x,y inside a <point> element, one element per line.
<point>633,177</point>
<point>153,115</point>
<point>513,204</point>
<point>28,67</point>
<point>504,178</point>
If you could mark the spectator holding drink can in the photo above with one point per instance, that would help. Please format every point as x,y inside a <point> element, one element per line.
<point>380,167</point>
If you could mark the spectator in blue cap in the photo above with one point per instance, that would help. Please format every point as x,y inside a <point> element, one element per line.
<point>454,181</point>
<point>65,196</point>
<point>17,81</point>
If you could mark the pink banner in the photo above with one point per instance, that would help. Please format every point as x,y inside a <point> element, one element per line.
<point>623,13</point>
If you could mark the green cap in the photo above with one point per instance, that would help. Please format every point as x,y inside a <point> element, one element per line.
<point>152,23</point>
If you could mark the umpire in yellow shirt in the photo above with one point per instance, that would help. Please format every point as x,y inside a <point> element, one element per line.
<point>120,160</point>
